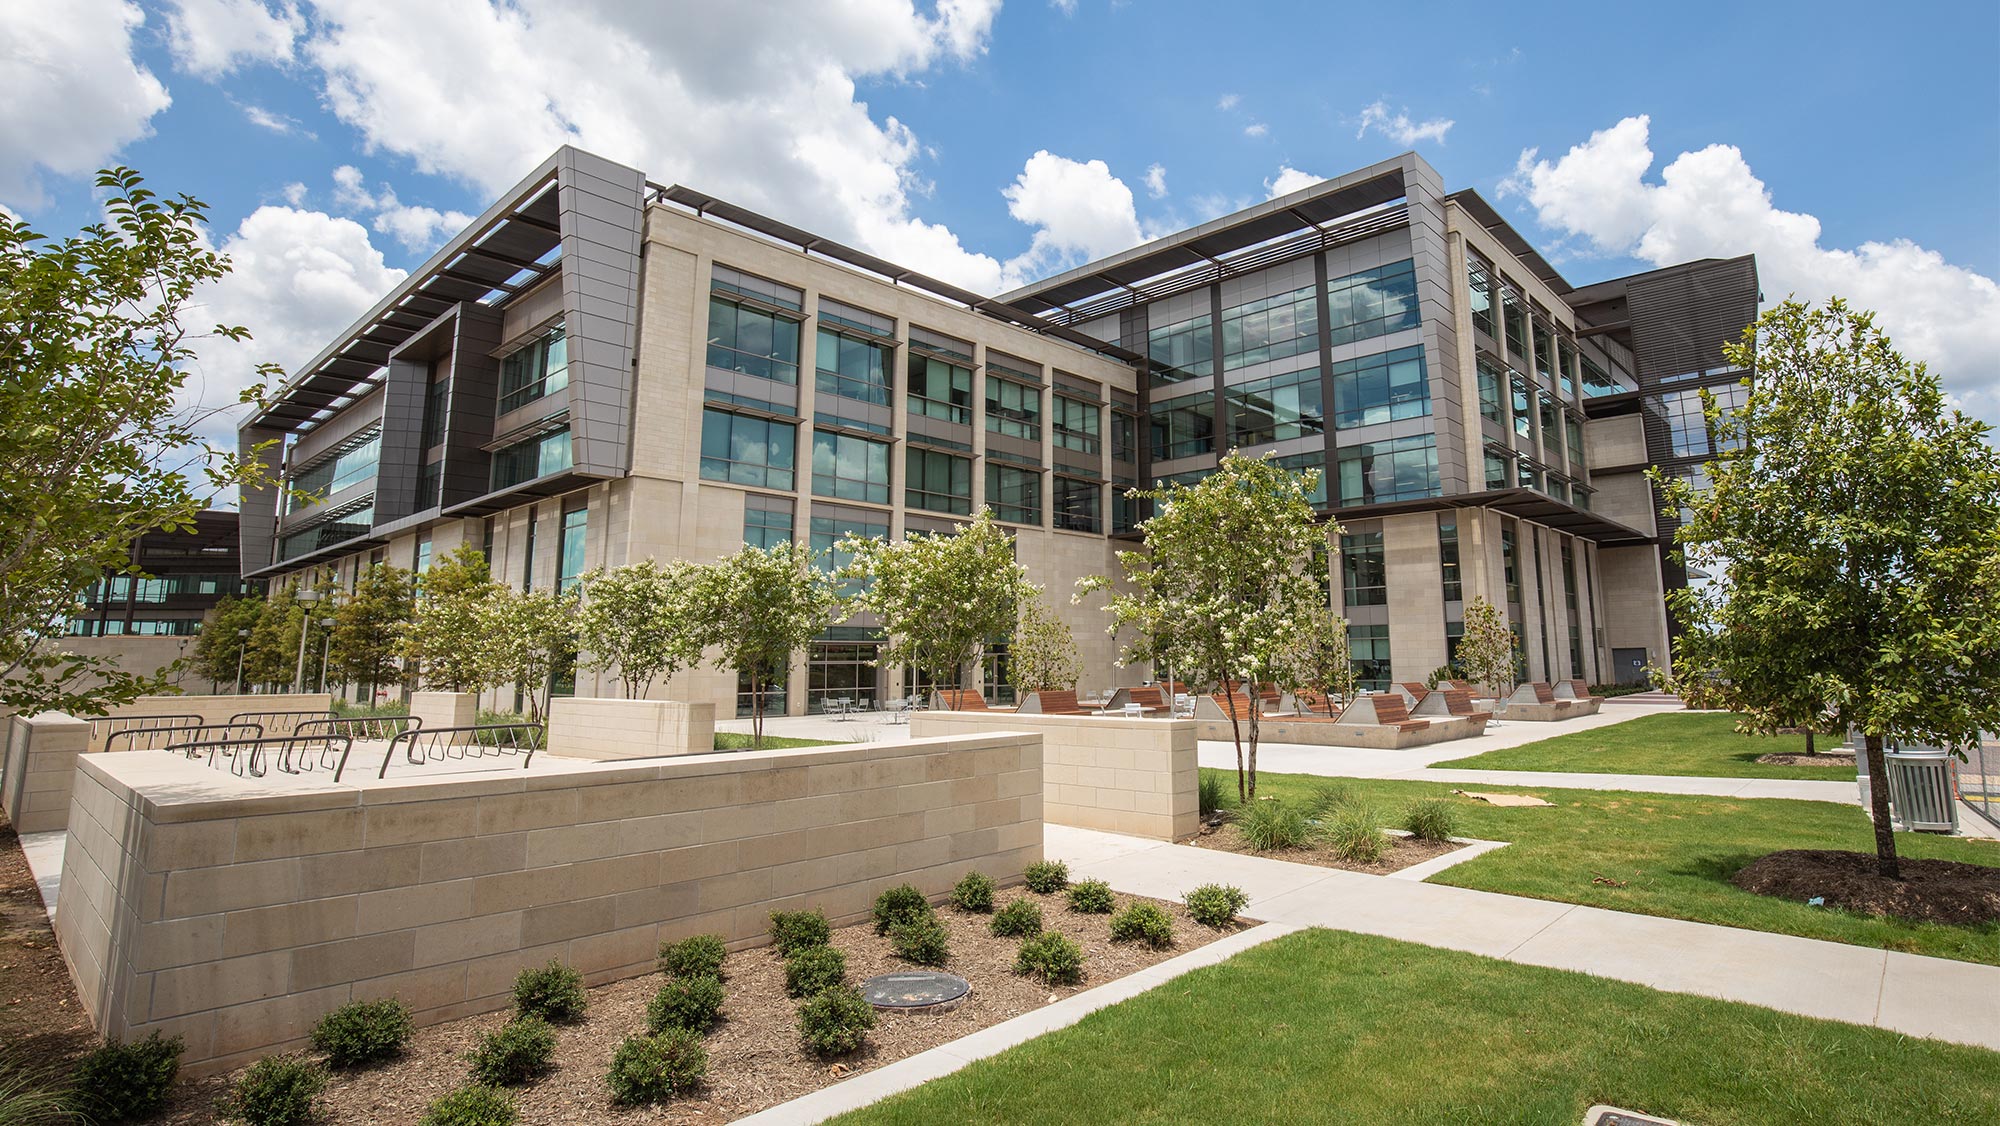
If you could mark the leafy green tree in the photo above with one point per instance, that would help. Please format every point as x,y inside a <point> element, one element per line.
<point>368,628</point>
<point>1853,522</point>
<point>449,637</point>
<point>98,444</point>
<point>760,606</point>
<point>1318,658</point>
<point>940,597</point>
<point>1488,650</point>
<point>529,634</point>
<point>1225,583</point>
<point>270,662</point>
<point>217,647</point>
<point>640,619</point>
<point>1042,656</point>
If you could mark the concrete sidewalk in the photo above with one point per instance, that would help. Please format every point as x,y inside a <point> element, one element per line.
<point>1931,997</point>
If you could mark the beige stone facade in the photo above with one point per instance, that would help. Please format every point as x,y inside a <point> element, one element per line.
<point>235,912</point>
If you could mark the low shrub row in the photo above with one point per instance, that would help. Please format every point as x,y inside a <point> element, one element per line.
<point>1330,816</point>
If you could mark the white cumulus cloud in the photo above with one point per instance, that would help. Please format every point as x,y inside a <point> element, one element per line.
<point>1256,129</point>
<point>418,228</point>
<point>71,94</point>
<point>1289,180</point>
<point>1079,209</point>
<point>1399,126</point>
<point>1156,181</point>
<point>1708,203</point>
<point>210,38</point>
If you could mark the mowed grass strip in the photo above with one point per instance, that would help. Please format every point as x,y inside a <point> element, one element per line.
<point>1327,1026</point>
<point>740,741</point>
<point>1685,744</point>
<point>1666,854</point>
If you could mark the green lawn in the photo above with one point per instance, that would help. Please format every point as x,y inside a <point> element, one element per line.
<point>1698,744</point>
<point>740,741</point>
<point>1325,1026</point>
<point>1671,855</point>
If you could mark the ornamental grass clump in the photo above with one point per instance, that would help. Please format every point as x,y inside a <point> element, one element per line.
<point>1271,825</point>
<point>1216,905</point>
<point>692,1003</point>
<point>471,1105</point>
<point>553,992</point>
<point>900,904</point>
<point>1354,832</point>
<point>362,1032</point>
<point>651,1069</point>
<point>835,1021</point>
<point>1432,819</point>
<point>520,1051</point>
<point>698,955</point>
<point>1091,897</point>
<point>921,940</point>
<point>1143,922</point>
<point>120,1081</point>
<point>1046,877</point>
<point>277,1091</point>
<point>973,893</point>
<point>1021,917</point>
<point>1209,794</point>
<point>1051,957</point>
<point>793,931</point>
<point>810,971</point>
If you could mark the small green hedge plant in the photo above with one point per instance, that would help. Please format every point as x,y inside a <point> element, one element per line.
<point>651,1069</point>
<point>471,1105</point>
<point>835,1021</point>
<point>699,955</point>
<point>793,931</point>
<point>1021,917</point>
<point>921,940</point>
<point>1143,922</point>
<point>118,1082</point>
<point>1046,877</point>
<point>277,1091</point>
<point>1091,897</point>
<point>899,904</point>
<point>517,1052</point>
<point>553,992</point>
<point>692,1003</point>
<point>1051,957</point>
<point>362,1032</point>
<point>973,893</point>
<point>809,971</point>
<point>1216,905</point>
<point>1431,819</point>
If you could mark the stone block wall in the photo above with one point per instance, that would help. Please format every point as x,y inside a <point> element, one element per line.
<point>591,728</point>
<point>40,764</point>
<point>211,709</point>
<point>236,911</point>
<point>1133,776</point>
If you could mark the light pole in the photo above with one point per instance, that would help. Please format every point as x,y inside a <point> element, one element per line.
<point>326,650</point>
<point>306,598</point>
<point>242,642</point>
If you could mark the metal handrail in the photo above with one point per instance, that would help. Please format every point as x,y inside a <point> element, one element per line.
<point>436,744</point>
<point>158,738</point>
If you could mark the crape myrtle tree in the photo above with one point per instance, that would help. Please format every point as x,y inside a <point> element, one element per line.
<point>1042,656</point>
<point>1488,652</point>
<point>368,629</point>
<point>98,444</point>
<point>940,597</point>
<point>1852,519</point>
<point>1228,579</point>
<point>641,621</point>
<point>760,606</point>
<point>529,634</point>
<point>449,637</point>
<point>217,648</point>
<point>1318,657</point>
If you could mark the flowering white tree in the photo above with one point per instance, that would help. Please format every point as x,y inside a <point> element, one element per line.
<point>641,620</point>
<point>940,598</point>
<point>1487,648</point>
<point>1226,583</point>
<point>452,637</point>
<point>1042,656</point>
<point>529,633</point>
<point>760,606</point>
<point>1318,659</point>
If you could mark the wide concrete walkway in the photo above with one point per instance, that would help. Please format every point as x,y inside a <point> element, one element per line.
<point>1921,996</point>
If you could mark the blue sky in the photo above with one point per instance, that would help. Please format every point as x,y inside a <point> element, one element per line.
<point>340,142</point>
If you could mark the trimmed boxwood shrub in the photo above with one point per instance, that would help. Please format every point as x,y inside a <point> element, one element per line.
<point>810,971</point>
<point>651,1069</point>
<point>471,1105</point>
<point>835,1021</point>
<point>1091,897</point>
<point>973,893</point>
<point>1143,922</point>
<point>921,940</point>
<point>362,1032</point>
<point>692,1003</point>
<point>1051,957</point>
<point>899,904</point>
<point>793,931</point>
<point>277,1091</point>
<point>1216,905</point>
<point>1021,917</point>
<point>521,1050</point>
<point>553,992</point>
<point>119,1081</point>
<point>1046,877</point>
<point>699,955</point>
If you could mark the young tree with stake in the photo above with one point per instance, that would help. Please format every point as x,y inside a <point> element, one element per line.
<point>760,606</point>
<point>940,598</point>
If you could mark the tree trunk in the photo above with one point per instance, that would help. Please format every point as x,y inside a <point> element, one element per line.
<point>756,712</point>
<point>1235,732</point>
<point>1255,705</point>
<point>1809,742</point>
<point>1878,800</point>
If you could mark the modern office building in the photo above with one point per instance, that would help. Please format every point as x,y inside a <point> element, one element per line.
<point>601,369</point>
<point>147,620</point>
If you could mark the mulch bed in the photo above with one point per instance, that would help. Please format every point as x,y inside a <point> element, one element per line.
<point>1930,891</point>
<point>41,1023</point>
<point>1403,851</point>
<point>1793,758</point>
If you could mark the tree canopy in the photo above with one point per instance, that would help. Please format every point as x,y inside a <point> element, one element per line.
<point>940,598</point>
<point>760,606</point>
<point>1042,654</point>
<point>641,620</point>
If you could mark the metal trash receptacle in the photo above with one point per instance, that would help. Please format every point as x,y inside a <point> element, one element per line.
<point>1923,788</point>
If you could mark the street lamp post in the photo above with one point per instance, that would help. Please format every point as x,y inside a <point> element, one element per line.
<point>306,598</point>
<point>242,642</point>
<point>326,650</point>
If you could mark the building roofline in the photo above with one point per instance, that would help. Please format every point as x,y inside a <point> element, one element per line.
<point>1483,213</point>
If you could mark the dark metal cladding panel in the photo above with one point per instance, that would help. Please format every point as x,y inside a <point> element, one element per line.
<point>601,209</point>
<point>475,389</point>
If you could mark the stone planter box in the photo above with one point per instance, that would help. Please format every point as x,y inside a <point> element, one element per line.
<point>592,728</point>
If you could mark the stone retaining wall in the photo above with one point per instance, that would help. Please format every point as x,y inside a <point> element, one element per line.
<point>237,911</point>
<point>591,728</point>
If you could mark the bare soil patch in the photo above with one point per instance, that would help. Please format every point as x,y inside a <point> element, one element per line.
<point>1823,758</point>
<point>41,1023</point>
<point>1403,851</point>
<point>1931,891</point>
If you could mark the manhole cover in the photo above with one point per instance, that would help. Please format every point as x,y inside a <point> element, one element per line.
<point>916,991</point>
<point>1613,1116</point>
